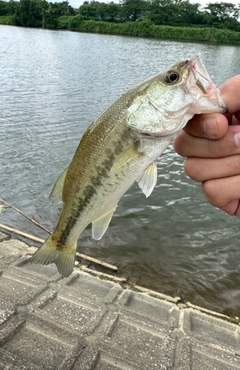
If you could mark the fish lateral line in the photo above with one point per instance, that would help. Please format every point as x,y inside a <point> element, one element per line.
<point>121,147</point>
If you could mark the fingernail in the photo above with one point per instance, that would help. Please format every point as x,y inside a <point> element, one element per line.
<point>210,127</point>
<point>237,139</point>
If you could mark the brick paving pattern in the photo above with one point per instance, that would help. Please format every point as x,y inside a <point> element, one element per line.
<point>85,322</point>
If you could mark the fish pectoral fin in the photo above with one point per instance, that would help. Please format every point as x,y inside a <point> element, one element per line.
<point>56,193</point>
<point>148,180</point>
<point>125,157</point>
<point>100,225</point>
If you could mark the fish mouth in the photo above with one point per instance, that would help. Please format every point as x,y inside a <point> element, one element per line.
<point>205,88</point>
<point>157,135</point>
<point>200,75</point>
<point>150,136</point>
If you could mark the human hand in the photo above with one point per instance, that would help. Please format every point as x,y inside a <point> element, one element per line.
<point>211,143</point>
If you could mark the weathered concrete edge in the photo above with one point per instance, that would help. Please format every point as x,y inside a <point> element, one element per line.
<point>176,300</point>
<point>126,284</point>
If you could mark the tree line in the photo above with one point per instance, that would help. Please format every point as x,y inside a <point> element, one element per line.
<point>165,12</point>
<point>41,13</point>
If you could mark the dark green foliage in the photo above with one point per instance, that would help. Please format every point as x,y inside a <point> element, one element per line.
<point>54,11</point>
<point>34,13</point>
<point>165,12</point>
<point>222,15</point>
<point>75,22</point>
<point>133,9</point>
<point>3,8</point>
<point>173,19</point>
<point>174,12</point>
<point>89,10</point>
<point>8,8</point>
<point>110,11</point>
<point>29,13</point>
<point>147,28</point>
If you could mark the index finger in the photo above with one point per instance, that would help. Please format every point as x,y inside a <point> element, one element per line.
<point>230,93</point>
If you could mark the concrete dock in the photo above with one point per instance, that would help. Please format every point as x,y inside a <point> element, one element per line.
<point>94,321</point>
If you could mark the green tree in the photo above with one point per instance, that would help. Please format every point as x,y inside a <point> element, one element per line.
<point>4,8</point>
<point>53,12</point>
<point>113,11</point>
<point>108,12</point>
<point>40,13</point>
<point>185,12</point>
<point>29,13</point>
<point>133,9</point>
<point>89,10</point>
<point>12,6</point>
<point>8,7</point>
<point>223,11</point>
<point>175,12</point>
<point>75,22</point>
<point>222,15</point>
<point>161,11</point>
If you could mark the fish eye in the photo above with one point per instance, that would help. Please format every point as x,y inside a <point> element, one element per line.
<point>171,77</point>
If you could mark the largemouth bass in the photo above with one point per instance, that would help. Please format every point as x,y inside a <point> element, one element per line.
<point>121,147</point>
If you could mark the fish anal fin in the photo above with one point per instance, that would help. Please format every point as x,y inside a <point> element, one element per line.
<point>100,225</point>
<point>125,157</point>
<point>148,180</point>
<point>56,193</point>
<point>63,258</point>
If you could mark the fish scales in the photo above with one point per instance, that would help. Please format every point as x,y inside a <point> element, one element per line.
<point>121,147</point>
<point>102,133</point>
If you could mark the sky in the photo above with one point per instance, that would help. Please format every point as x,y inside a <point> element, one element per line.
<point>77,3</point>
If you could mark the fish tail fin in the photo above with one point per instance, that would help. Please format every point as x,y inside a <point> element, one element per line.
<point>64,258</point>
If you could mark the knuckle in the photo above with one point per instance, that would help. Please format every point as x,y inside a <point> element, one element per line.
<point>211,190</point>
<point>213,148</point>
<point>192,169</point>
<point>179,143</point>
<point>233,163</point>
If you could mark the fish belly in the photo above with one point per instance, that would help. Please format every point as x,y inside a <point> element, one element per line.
<point>102,199</point>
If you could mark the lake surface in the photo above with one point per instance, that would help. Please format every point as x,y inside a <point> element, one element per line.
<point>53,85</point>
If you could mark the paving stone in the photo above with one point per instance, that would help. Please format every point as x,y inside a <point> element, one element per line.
<point>209,358</point>
<point>219,333</point>
<point>161,312</point>
<point>11,251</point>
<point>8,361</point>
<point>85,322</point>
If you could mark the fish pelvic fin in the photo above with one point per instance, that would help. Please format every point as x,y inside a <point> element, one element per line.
<point>99,226</point>
<point>49,252</point>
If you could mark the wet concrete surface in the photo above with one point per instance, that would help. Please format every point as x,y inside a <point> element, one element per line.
<point>92,320</point>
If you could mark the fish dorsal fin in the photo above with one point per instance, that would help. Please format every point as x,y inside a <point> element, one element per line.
<point>56,193</point>
<point>100,225</point>
<point>149,179</point>
<point>125,157</point>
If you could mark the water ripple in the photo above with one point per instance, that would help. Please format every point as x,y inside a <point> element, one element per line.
<point>53,85</point>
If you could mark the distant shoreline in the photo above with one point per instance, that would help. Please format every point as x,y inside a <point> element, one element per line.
<point>143,28</point>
